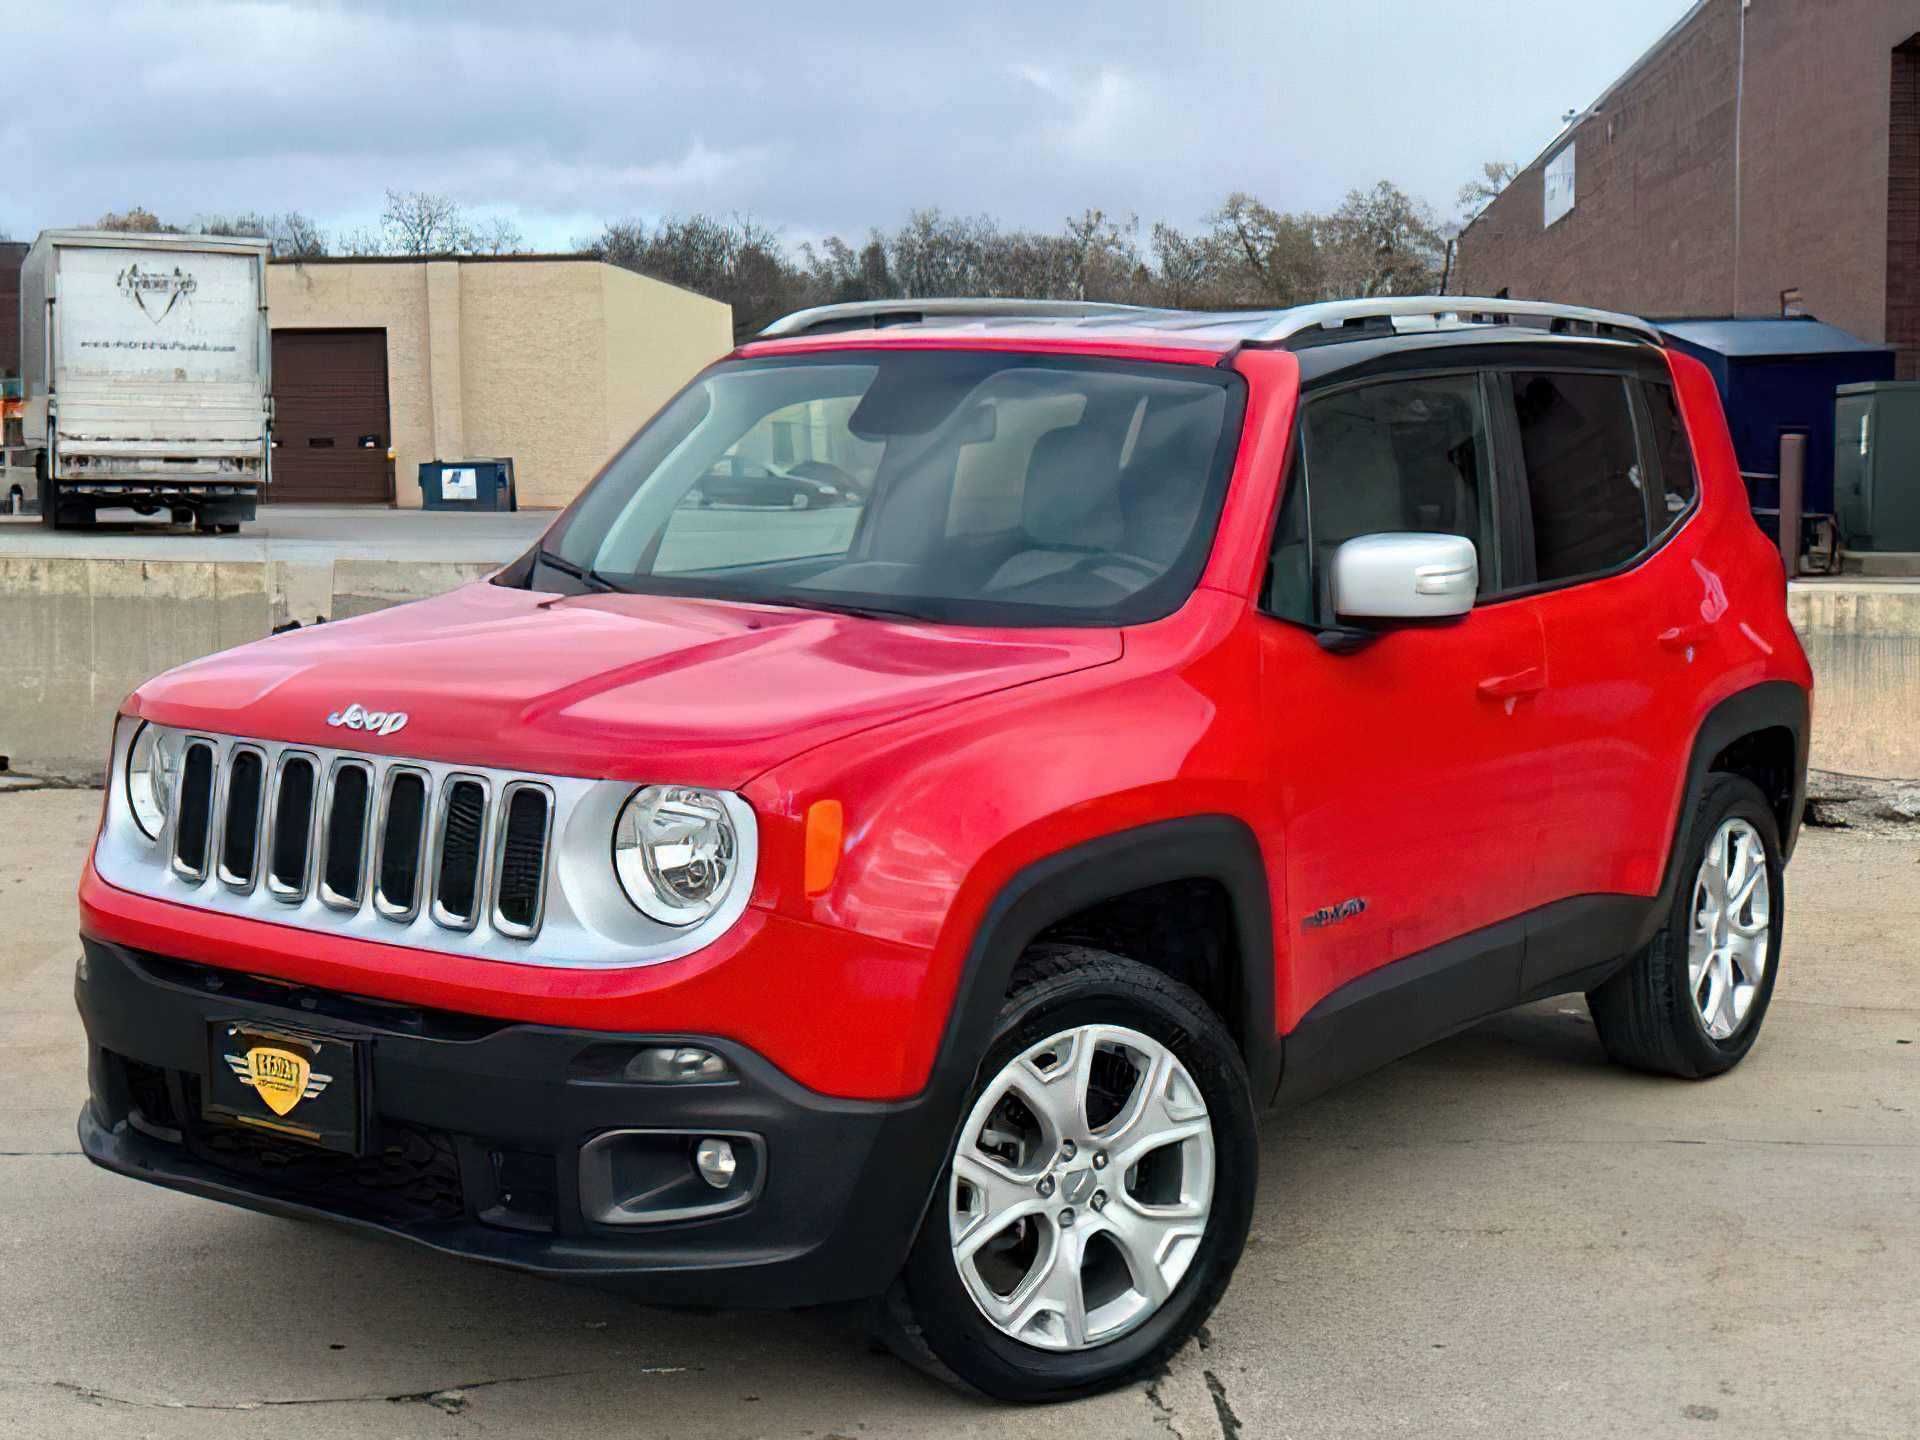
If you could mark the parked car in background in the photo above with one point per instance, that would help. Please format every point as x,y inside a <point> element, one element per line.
<point>921,903</point>
<point>804,486</point>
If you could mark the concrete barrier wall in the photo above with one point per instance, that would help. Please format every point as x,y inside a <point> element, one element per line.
<point>1863,640</point>
<point>78,635</point>
<point>81,633</point>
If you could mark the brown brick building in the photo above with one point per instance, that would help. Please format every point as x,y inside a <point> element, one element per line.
<point>12,252</point>
<point>1763,156</point>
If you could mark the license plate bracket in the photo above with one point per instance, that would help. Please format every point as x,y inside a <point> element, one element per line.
<point>295,1084</point>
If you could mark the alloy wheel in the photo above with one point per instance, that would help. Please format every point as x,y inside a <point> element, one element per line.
<point>1731,933</point>
<point>1081,1187</point>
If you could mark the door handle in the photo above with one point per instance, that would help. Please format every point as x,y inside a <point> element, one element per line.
<point>1682,637</point>
<point>1529,681</point>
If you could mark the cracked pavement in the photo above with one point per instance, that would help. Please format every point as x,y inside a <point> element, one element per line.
<point>1500,1236</point>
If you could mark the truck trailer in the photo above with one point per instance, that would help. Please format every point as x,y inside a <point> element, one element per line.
<point>146,370</point>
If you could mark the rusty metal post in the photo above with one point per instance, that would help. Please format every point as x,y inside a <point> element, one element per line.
<point>1793,484</point>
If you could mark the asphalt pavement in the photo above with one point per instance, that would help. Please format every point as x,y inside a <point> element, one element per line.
<point>1500,1236</point>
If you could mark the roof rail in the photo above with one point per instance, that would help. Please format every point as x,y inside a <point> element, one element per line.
<point>860,313</point>
<point>1455,311</point>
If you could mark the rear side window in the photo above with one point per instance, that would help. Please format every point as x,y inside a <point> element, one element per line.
<point>1675,454</point>
<point>1393,456</point>
<point>1583,473</point>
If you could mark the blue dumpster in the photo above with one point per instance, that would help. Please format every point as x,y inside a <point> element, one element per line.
<point>468,485</point>
<point>1778,377</point>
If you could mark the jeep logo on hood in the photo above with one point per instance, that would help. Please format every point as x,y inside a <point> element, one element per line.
<point>377,722</point>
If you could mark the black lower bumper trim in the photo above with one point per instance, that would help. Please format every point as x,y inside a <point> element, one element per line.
<point>475,1130</point>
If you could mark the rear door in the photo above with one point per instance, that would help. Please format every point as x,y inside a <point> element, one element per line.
<point>1624,622</point>
<point>1412,770</point>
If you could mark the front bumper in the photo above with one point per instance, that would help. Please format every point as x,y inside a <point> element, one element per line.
<point>474,1137</point>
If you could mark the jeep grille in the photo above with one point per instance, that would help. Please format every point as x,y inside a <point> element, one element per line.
<point>379,835</point>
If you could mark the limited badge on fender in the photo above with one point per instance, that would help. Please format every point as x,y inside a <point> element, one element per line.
<point>283,1078</point>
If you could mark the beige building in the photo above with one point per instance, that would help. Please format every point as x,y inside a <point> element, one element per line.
<point>552,360</point>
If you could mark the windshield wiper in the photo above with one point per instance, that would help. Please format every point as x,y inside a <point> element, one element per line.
<point>802,601</point>
<point>591,578</point>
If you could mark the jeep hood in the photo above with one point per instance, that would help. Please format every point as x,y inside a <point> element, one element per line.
<point>627,687</point>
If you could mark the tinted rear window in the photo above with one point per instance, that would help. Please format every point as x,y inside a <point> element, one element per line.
<point>1675,453</point>
<point>1583,473</point>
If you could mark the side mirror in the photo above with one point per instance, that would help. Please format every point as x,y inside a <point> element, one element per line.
<point>1405,577</point>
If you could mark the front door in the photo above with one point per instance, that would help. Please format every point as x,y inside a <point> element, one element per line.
<point>1411,770</point>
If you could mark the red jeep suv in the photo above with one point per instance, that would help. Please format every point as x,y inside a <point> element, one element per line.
<point>918,897</point>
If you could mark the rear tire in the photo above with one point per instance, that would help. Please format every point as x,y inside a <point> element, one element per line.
<point>1677,1008</point>
<point>1179,1187</point>
<point>49,496</point>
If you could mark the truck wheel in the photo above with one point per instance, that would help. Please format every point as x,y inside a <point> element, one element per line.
<point>49,495</point>
<point>1097,1195</point>
<point>1690,1003</point>
<point>181,516</point>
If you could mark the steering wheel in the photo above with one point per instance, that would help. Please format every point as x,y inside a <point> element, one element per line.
<point>1097,558</point>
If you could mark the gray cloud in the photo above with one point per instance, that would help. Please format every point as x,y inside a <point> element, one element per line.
<point>818,118</point>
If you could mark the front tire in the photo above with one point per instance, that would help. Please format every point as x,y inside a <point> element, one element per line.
<point>1691,1003</point>
<point>1097,1196</point>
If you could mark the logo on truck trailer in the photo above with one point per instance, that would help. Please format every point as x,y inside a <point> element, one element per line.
<point>156,292</point>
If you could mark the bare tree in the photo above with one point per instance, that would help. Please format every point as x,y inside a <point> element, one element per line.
<point>362,242</point>
<point>419,222</point>
<point>1105,257</point>
<point>1485,188</point>
<point>1274,257</point>
<point>496,236</point>
<point>295,237</point>
<point>738,261</point>
<point>248,223</point>
<point>1380,242</point>
<point>134,220</point>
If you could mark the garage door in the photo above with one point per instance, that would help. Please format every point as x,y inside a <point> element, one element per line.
<point>330,417</point>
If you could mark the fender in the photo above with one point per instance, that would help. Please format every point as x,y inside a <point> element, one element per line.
<point>1770,705</point>
<point>919,1133</point>
<point>1202,847</point>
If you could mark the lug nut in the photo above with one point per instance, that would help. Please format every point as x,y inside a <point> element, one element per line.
<point>1099,1201</point>
<point>1099,1159</point>
<point>1045,1186</point>
<point>1066,1216</point>
<point>1067,1149</point>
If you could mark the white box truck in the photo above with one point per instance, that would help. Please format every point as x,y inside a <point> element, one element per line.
<point>145,363</point>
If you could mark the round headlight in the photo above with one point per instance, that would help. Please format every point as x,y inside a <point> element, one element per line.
<point>675,852</point>
<point>152,766</point>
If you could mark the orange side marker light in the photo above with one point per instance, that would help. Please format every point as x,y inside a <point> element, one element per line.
<point>825,821</point>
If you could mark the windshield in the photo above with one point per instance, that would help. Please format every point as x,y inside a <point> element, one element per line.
<point>961,486</point>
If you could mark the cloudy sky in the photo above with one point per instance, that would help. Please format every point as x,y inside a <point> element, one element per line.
<point>817,118</point>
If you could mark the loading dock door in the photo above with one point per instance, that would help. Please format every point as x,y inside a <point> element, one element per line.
<point>330,425</point>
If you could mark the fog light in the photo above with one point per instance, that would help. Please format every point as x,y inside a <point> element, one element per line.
<point>715,1161</point>
<point>678,1065</point>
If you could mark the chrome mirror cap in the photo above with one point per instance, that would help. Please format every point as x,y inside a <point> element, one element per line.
<point>1405,577</point>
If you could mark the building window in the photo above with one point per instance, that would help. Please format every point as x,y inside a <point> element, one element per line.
<point>1558,186</point>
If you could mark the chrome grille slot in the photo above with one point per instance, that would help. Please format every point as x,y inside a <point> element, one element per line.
<point>459,847</point>
<point>401,842</point>
<point>520,859</point>
<point>193,823</point>
<point>346,834</point>
<point>290,816</point>
<point>246,799</point>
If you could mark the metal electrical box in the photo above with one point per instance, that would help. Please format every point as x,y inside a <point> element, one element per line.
<point>1876,464</point>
